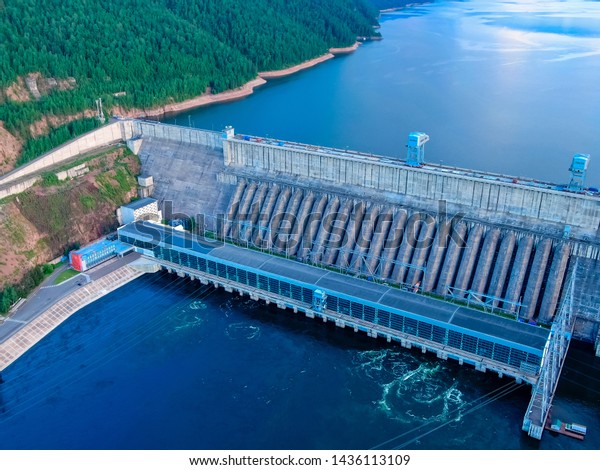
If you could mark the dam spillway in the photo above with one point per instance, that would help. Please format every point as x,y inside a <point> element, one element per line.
<point>454,257</point>
<point>504,247</point>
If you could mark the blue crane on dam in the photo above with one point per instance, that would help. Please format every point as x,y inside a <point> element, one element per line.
<point>415,155</point>
<point>578,171</point>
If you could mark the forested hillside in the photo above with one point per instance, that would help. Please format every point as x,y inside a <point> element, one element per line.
<point>144,53</point>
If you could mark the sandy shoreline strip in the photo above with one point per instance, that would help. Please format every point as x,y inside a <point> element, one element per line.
<point>402,7</point>
<point>296,68</point>
<point>238,93</point>
<point>344,50</point>
<point>202,100</point>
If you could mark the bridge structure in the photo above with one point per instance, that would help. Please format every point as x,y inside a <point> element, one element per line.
<point>555,354</point>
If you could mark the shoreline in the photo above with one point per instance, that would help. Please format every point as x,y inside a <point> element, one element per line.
<point>238,93</point>
<point>197,102</point>
<point>398,8</point>
<point>296,68</point>
<point>345,50</point>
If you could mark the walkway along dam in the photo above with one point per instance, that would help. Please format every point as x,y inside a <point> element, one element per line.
<point>487,269</point>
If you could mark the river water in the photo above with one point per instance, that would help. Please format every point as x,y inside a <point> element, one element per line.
<point>168,364</point>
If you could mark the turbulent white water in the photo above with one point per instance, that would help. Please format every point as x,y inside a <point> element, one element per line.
<point>412,390</point>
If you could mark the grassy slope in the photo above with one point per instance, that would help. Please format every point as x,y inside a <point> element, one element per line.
<point>40,224</point>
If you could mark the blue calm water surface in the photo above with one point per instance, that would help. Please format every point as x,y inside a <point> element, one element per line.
<point>165,363</point>
<point>509,87</point>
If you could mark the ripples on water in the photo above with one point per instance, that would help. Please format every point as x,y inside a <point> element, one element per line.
<point>242,331</point>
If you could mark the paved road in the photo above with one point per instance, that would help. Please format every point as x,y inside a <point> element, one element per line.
<point>48,294</point>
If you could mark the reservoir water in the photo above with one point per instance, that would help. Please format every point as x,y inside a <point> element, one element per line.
<point>169,364</point>
<point>509,87</point>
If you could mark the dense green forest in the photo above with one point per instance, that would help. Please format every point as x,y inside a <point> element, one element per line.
<point>151,52</point>
<point>12,293</point>
<point>56,137</point>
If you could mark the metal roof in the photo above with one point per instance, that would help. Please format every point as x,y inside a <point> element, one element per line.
<point>140,203</point>
<point>115,245</point>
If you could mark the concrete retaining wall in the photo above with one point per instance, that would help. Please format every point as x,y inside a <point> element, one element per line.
<point>106,135</point>
<point>17,180</point>
<point>25,338</point>
<point>490,196</point>
<point>144,129</point>
<point>18,187</point>
<point>74,172</point>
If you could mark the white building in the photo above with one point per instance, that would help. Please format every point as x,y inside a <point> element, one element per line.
<point>142,209</point>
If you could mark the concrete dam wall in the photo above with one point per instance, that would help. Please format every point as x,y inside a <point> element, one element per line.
<point>183,135</point>
<point>481,195</point>
<point>496,242</point>
<point>363,235</point>
<point>514,271</point>
<point>378,218</point>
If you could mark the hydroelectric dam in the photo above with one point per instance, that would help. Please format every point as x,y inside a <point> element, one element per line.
<point>493,271</point>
